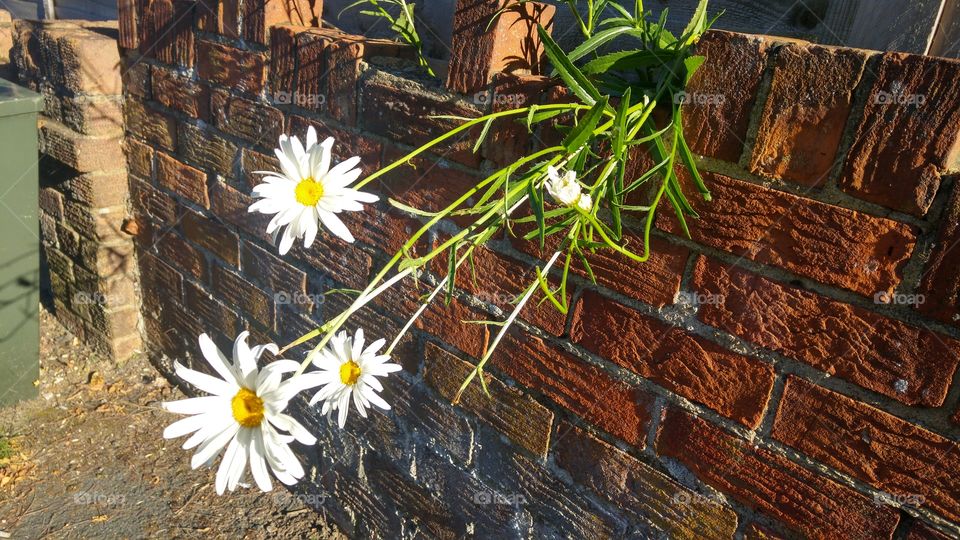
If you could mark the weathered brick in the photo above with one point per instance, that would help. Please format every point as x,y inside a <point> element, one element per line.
<point>614,406</point>
<point>89,62</point>
<point>84,153</point>
<point>736,386</point>
<point>286,281</point>
<point>51,202</point>
<point>150,125</point>
<point>431,416</point>
<point>135,75</point>
<point>342,64</point>
<point>523,420</point>
<point>348,143</point>
<point>129,21</point>
<point>923,531</point>
<point>283,58</point>
<point>310,89</point>
<point>489,37</point>
<point>884,451</point>
<point>663,508</point>
<point>228,18</point>
<point>816,507</point>
<point>95,223</point>
<point>909,364</point>
<point>209,233</point>
<point>166,32</point>
<point>655,282</point>
<point>148,200</point>
<point>240,70</point>
<point>180,93</point>
<point>112,259</point>
<point>259,17</point>
<point>139,158</point>
<point>252,161</point>
<point>404,111</point>
<point>826,243</point>
<point>259,124</point>
<point>155,275</point>
<point>207,150</point>
<point>92,115</point>
<point>176,252</point>
<point>232,206</point>
<point>722,93</point>
<point>759,532</point>
<point>211,312</point>
<point>100,189</point>
<point>806,111</point>
<point>908,133</point>
<point>508,139</point>
<point>940,282</point>
<point>423,183</point>
<point>239,292</point>
<point>336,260</point>
<point>182,179</point>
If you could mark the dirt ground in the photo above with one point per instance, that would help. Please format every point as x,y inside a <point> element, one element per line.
<point>86,460</point>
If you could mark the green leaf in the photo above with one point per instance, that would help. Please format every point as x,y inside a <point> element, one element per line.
<point>483,135</point>
<point>625,60</point>
<point>691,63</point>
<point>415,211</point>
<point>582,132</point>
<point>576,81</point>
<point>599,40</point>
<point>536,202</point>
<point>697,24</point>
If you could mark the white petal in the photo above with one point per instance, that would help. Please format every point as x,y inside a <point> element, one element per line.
<point>344,166</point>
<point>195,405</point>
<point>344,406</point>
<point>311,137</point>
<point>258,463</point>
<point>334,225</point>
<point>216,359</point>
<point>323,164</point>
<point>211,447</point>
<point>185,425</point>
<point>223,473</point>
<point>244,359</point>
<point>204,382</point>
<point>286,240</point>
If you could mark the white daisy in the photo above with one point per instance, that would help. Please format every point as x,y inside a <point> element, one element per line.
<point>348,370</point>
<point>244,413</point>
<point>308,191</point>
<point>566,190</point>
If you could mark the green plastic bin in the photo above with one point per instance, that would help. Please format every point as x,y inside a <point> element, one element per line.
<point>19,244</point>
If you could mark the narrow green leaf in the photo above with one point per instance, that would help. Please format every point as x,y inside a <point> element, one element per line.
<point>582,132</point>
<point>576,81</point>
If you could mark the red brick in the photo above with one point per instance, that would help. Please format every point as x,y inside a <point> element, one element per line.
<point>51,202</point>
<point>490,37</point>
<point>258,124</point>
<point>735,386</point>
<point>135,75</point>
<point>722,93</point>
<point>150,125</point>
<point>499,280</point>
<point>884,451</point>
<point>239,70</point>
<point>207,150</point>
<point>940,282</point>
<point>155,275</point>
<point>655,282</point>
<point>405,112</point>
<point>348,143</point>
<point>614,406</point>
<point>214,315</point>
<point>826,243</point>
<point>182,179</point>
<point>509,138</point>
<point>228,18</point>
<point>910,364</point>
<point>259,17</point>
<point>209,233</point>
<point>284,279</point>
<point>283,58</point>
<point>180,93</point>
<point>237,291</point>
<point>335,259</point>
<point>87,61</point>
<point>815,506</point>
<point>176,252</point>
<point>129,23</point>
<point>343,58</point>
<point>310,89</point>
<point>665,508</point>
<point>167,31</point>
<point>806,112</point>
<point>520,418</point>
<point>232,206</point>
<point>101,224</point>
<point>923,531</point>
<point>902,145</point>
<point>424,183</point>
<point>386,228</point>
<point>252,161</point>
<point>148,200</point>
<point>139,158</point>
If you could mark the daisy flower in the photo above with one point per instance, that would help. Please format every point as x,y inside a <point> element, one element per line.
<point>244,413</point>
<point>308,191</point>
<point>349,371</point>
<point>566,190</point>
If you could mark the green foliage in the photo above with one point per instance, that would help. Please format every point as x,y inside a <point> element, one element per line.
<point>610,120</point>
<point>6,448</point>
<point>402,24</point>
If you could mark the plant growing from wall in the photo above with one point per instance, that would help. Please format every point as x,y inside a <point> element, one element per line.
<point>575,195</point>
<point>402,24</point>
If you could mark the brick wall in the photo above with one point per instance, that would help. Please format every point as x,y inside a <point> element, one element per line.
<point>767,378</point>
<point>84,194</point>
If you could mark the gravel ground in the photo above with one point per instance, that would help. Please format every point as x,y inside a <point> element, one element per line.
<point>86,460</point>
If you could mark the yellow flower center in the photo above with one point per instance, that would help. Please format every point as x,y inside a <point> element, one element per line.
<point>349,372</point>
<point>308,191</point>
<point>247,408</point>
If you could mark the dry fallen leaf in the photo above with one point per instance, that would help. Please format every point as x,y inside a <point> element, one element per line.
<point>95,381</point>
